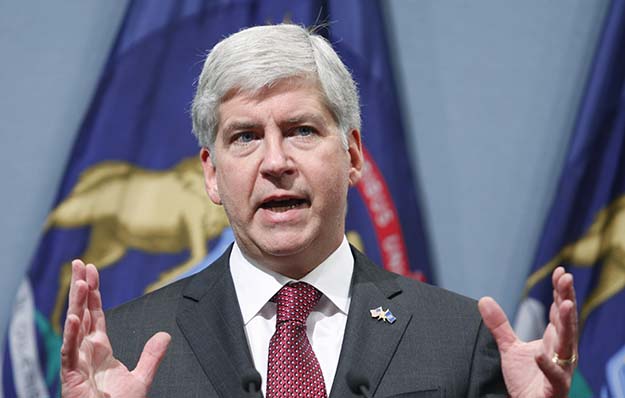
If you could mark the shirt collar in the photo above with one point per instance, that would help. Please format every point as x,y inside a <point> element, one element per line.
<point>255,285</point>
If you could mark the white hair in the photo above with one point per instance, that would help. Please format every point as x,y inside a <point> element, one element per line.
<point>262,56</point>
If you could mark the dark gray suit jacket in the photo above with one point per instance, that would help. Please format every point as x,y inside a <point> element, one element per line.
<point>438,347</point>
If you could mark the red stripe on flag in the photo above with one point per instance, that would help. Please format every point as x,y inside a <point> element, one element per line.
<point>383,213</point>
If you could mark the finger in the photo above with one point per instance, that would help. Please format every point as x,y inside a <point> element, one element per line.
<point>566,345</point>
<point>565,315</point>
<point>78,270</point>
<point>564,287</point>
<point>152,355</point>
<point>85,324</point>
<point>98,321</point>
<point>551,332</point>
<point>78,275</point>
<point>92,277</point>
<point>558,377</point>
<point>555,277</point>
<point>85,320</point>
<point>78,299</point>
<point>549,340</point>
<point>71,343</point>
<point>94,300</point>
<point>554,316</point>
<point>497,322</point>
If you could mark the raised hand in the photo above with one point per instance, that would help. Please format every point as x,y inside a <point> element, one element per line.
<point>88,367</point>
<point>540,368</point>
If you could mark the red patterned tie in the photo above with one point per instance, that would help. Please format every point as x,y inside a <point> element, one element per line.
<point>293,369</point>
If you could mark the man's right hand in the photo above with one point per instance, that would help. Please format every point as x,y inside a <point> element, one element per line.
<point>88,367</point>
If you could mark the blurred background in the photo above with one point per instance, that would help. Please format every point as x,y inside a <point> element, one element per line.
<point>489,94</point>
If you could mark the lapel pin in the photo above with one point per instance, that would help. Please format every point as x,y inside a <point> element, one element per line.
<point>384,315</point>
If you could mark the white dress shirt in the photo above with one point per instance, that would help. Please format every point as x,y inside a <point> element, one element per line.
<point>256,285</point>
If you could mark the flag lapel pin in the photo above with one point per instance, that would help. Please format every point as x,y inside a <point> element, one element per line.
<point>383,315</point>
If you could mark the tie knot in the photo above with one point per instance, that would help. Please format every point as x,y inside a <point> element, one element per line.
<point>296,301</point>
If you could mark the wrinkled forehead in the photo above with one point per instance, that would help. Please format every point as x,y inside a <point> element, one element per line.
<point>241,95</point>
<point>290,83</point>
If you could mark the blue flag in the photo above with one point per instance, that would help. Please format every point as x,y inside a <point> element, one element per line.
<point>132,199</point>
<point>585,230</point>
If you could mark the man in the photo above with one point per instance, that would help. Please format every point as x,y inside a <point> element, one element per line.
<point>277,116</point>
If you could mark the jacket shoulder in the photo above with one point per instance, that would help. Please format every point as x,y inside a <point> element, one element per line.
<point>421,295</point>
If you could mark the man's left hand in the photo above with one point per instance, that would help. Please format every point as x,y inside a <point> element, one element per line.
<point>540,368</point>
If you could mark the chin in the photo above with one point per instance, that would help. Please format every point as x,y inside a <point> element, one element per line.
<point>283,249</point>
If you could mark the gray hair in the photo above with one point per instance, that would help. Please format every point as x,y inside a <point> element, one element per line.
<point>262,56</point>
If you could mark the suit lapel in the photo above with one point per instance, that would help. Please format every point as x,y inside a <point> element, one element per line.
<point>210,319</point>
<point>369,344</point>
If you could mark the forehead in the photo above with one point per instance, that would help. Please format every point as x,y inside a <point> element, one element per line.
<point>286,99</point>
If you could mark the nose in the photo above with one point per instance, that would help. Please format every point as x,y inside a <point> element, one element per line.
<point>276,161</point>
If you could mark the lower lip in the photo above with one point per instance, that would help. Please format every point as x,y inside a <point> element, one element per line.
<point>288,216</point>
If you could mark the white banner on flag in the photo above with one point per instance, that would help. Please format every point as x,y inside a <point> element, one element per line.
<point>27,376</point>
<point>530,320</point>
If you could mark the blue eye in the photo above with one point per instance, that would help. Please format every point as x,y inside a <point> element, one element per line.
<point>245,137</point>
<point>304,131</point>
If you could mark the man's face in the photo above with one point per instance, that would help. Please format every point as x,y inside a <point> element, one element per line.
<point>282,174</point>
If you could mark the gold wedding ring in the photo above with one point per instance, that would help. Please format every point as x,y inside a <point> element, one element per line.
<point>564,362</point>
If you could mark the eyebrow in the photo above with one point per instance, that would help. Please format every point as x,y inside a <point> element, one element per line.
<point>306,117</point>
<point>239,125</point>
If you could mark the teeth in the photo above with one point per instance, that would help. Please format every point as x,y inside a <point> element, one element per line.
<point>283,205</point>
<point>283,208</point>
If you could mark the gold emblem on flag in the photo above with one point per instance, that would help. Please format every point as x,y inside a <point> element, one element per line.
<point>129,207</point>
<point>604,242</point>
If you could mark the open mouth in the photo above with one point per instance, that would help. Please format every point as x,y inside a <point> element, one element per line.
<point>282,205</point>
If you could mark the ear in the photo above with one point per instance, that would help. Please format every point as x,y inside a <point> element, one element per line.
<point>210,175</point>
<point>354,149</point>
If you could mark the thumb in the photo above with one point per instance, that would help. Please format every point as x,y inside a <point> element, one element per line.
<point>152,355</point>
<point>497,322</point>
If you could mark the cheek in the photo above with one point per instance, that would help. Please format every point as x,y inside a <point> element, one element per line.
<point>230,192</point>
<point>333,186</point>
<point>236,182</point>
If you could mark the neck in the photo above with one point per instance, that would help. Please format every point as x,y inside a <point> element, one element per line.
<point>293,265</point>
